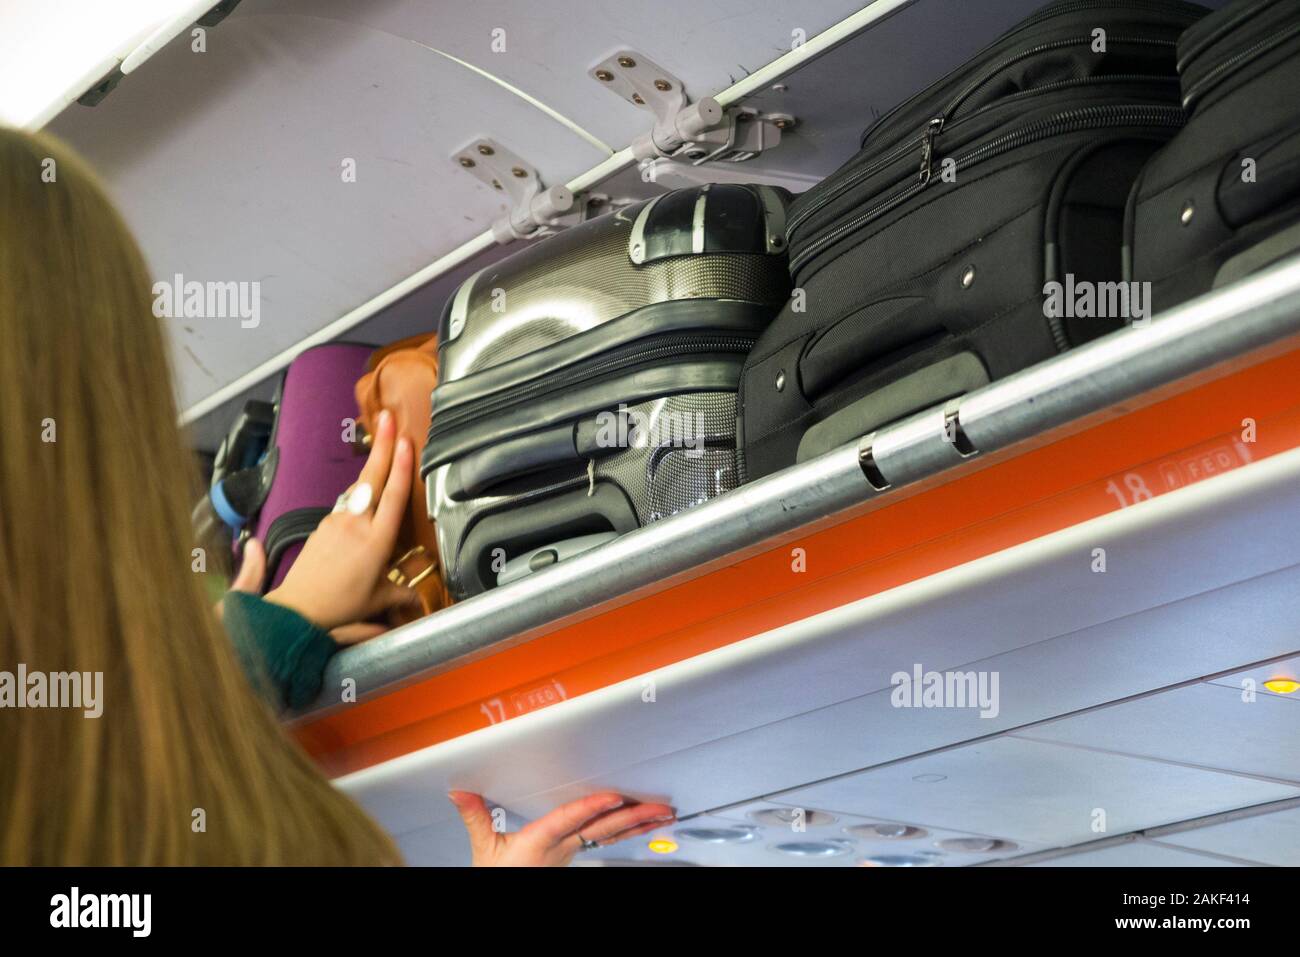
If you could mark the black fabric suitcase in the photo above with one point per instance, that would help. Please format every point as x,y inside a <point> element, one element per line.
<point>1223,198</point>
<point>588,382</point>
<point>920,279</point>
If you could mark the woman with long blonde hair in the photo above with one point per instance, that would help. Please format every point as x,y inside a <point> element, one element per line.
<point>184,763</point>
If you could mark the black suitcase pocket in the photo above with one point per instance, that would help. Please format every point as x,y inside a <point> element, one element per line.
<point>499,536</point>
<point>1266,185</point>
<point>922,389</point>
<point>847,348</point>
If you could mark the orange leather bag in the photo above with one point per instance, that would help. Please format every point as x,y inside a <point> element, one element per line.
<point>400,378</point>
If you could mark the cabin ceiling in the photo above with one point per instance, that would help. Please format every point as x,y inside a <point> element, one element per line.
<point>228,163</point>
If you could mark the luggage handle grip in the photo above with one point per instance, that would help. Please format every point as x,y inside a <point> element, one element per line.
<point>503,535</point>
<point>572,444</point>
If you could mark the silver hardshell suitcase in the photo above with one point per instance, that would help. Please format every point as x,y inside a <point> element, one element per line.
<point>588,381</point>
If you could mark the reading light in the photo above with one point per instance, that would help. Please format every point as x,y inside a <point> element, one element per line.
<point>791,816</point>
<point>1282,685</point>
<point>718,835</point>
<point>976,845</point>
<point>890,832</point>
<point>830,848</point>
<point>662,845</point>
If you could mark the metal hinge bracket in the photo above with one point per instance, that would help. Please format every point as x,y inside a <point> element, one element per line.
<point>535,210</point>
<point>699,132</point>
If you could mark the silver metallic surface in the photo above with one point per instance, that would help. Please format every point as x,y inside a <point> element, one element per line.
<point>773,218</point>
<point>1223,325</point>
<point>636,241</point>
<point>460,307</point>
<point>697,220</point>
<point>915,447</point>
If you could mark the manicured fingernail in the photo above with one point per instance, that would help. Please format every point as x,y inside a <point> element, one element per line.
<point>666,817</point>
<point>384,418</point>
<point>403,445</point>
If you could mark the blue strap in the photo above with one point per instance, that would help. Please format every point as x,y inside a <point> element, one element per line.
<point>221,505</point>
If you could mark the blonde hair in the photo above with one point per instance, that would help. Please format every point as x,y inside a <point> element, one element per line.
<point>185,765</point>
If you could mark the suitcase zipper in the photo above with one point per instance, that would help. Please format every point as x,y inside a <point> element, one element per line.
<point>1255,49</point>
<point>636,354</point>
<point>839,187</point>
<point>1068,122</point>
<point>1227,25</point>
<point>965,94</point>
<point>1043,47</point>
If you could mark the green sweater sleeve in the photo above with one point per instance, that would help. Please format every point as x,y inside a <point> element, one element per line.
<point>282,652</point>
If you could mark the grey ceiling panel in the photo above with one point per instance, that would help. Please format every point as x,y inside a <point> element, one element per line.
<point>1037,792</point>
<point>1266,838</point>
<point>1203,724</point>
<point>1135,853</point>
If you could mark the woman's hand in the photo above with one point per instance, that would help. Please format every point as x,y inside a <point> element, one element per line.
<point>551,841</point>
<point>252,569</point>
<point>339,578</point>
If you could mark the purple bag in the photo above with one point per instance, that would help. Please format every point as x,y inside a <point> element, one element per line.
<point>309,464</point>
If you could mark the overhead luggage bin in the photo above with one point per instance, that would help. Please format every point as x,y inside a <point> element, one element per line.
<point>1174,440</point>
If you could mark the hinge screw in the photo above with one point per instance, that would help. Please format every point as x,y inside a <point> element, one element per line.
<point>626,62</point>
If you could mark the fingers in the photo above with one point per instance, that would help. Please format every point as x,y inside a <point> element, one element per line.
<point>397,490</point>
<point>381,452</point>
<point>634,832</point>
<point>569,818</point>
<point>478,819</point>
<point>627,821</point>
<point>252,568</point>
<point>387,595</point>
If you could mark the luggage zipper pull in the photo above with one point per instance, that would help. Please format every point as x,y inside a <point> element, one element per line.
<point>591,477</point>
<point>927,148</point>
